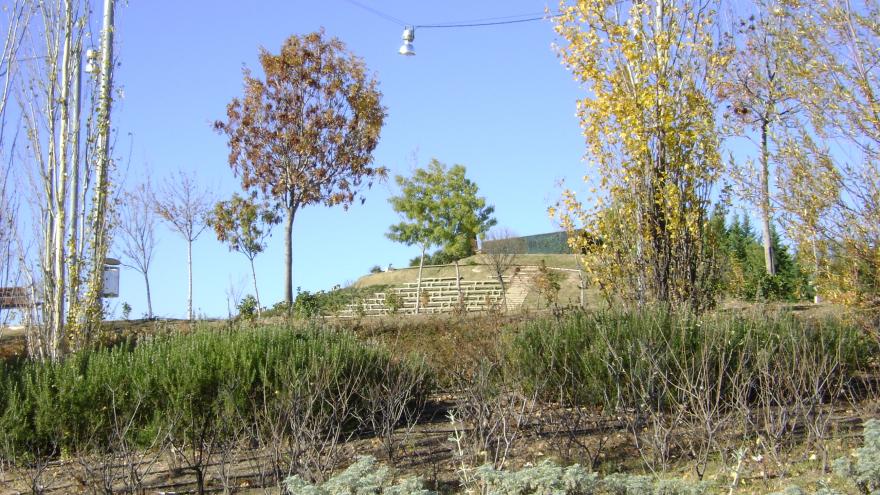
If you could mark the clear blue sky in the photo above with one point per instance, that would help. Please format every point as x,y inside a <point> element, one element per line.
<point>495,99</point>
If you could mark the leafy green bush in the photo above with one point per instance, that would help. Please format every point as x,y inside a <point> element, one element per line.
<point>180,384</point>
<point>247,308</point>
<point>439,257</point>
<point>366,477</point>
<point>865,472</point>
<point>324,303</point>
<point>393,301</point>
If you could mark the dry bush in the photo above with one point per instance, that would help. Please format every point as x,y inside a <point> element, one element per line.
<point>395,404</point>
<point>121,463</point>
<point>684,385</point>
<point>491,418</point>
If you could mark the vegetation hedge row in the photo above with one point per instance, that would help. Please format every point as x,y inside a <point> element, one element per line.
<point>177,384</point>
<point>613,358</point>
<point>324,303</point>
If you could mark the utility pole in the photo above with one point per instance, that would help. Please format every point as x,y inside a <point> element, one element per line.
<point>99,239</point>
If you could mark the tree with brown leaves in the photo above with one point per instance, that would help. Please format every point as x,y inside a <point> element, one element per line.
<point>305,134</point>
<point>244,225</point>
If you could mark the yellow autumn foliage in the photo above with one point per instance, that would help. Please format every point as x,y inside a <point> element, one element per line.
<point>649,69</point>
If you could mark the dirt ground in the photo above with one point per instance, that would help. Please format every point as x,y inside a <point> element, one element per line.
<point>427,451</point>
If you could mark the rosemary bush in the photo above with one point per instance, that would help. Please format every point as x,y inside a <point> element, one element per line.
<point>181,385</point>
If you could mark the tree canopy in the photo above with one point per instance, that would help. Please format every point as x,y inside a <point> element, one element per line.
<point>305,133</point>
<point>651,70</point>
<point>440,207</point>
<point>244,225</point>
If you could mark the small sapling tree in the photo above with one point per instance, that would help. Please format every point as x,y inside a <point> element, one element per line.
<point>137,229</point>
<point>440,207</point>
<point>244,225</point>
<point>499,251</point>
<point>184,205</point>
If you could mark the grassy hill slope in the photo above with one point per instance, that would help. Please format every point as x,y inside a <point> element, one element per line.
<point>474,268</point>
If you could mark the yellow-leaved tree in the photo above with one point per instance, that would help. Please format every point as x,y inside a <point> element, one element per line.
<point>651,70</point>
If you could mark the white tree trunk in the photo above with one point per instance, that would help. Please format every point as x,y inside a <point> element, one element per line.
<point>189,264</point>
<point>60,221</point>
<point>149,298</point>
<point>256,289</point>
<point>769,258</point>
<point>458,283</point>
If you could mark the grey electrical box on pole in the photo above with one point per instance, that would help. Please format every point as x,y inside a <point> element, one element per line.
<point>111,278</point>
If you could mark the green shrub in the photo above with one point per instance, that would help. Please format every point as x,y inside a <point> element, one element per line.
<point>324,303</point>
<point>393,301</point>
<point>247,308</point>
<point>627,484</point>
<point>366,477</point>
<point>442,257</point>
<point>126,311</point>
<point>865,472</point>
<point>181,383</point>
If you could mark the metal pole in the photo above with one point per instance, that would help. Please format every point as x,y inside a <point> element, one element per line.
<point>99,243</point>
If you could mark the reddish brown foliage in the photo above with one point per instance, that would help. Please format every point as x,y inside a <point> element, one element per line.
<point>306,133</point>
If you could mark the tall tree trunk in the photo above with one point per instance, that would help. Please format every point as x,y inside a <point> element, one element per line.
<point>60,224</point>
<point>149,298</point>
<point>419,281</point>
<point>288,258</point>
<point>769,261</point>
<point>189,264</point>
<point>817,298</point>
<point>73,251</point>
<point>640,255</point>
<point>256,289</point>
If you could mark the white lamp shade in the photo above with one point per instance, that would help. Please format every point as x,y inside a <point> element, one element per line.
<point>407,49</point>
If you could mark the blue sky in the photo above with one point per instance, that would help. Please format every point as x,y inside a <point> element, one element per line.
<point>495,99</point>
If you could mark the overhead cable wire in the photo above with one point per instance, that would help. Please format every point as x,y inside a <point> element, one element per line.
<point>486,21</point>
<point>381,14</point>
<point>489,23</point>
